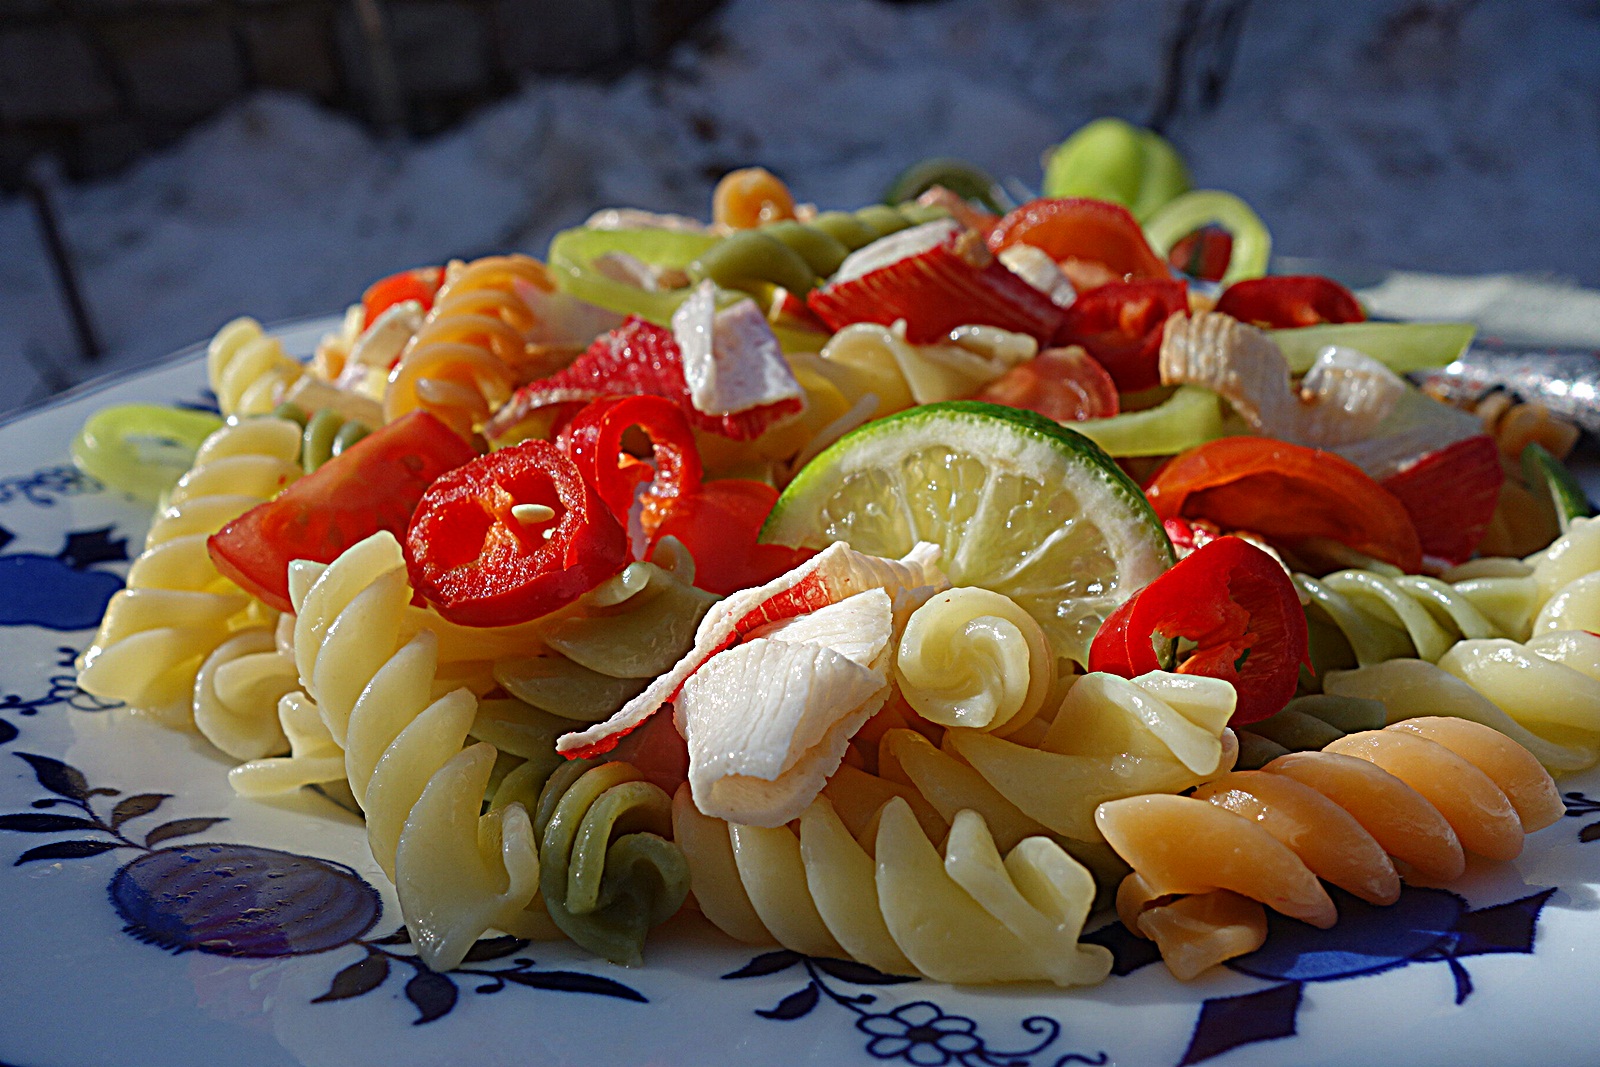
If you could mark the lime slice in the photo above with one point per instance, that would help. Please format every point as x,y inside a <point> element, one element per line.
<point>1019,504</point>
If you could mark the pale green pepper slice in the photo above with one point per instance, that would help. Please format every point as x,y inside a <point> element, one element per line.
<point>573,251</point>
<point>1190,416</point>
<point>1403,347</point>
<point>141,449</point>
<point>1252,244</point>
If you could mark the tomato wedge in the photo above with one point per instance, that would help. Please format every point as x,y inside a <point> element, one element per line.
<point>481,562</point>
<point>1065,384</point>
<point>372,485</point>
<point>1287,494</point>
<point>1290,300</point>
<point>1079,228</point>
<point>419,283</point>
<point>719,525</point>
<point>1120,324</point>
<point>1238,606</point>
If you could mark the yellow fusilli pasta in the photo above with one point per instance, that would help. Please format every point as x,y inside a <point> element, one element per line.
<point>248,370</point>
<point>891,900</point>
<point>176,607</point>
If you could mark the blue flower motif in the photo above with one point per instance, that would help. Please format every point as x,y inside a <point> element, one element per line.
<point>920,1033</point>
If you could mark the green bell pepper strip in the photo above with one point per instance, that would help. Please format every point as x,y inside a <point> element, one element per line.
<point>1110,159</point>
<point>1190,416</point>
<point>1403,347</point>
<point>1252,244</point>
<point>141,449</point>
<point>573,251</point>
<point>960,177</point>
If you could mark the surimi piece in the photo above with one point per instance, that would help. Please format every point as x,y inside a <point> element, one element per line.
<point>835,573</point>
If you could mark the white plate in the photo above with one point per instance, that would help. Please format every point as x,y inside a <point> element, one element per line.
<point>1500,970</point>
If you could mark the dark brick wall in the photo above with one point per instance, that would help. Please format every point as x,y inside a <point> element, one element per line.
<point>98,82</point>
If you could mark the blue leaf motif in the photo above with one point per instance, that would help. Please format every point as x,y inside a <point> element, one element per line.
<point>493,948</point>
<point>1503,928</point>
<point>859,973</point>
<point>433,994</point>
<point>766,963</point>
<point>45,824</point>
<point>794,1006</point>
<point>66,850</point>
<point>1225,1023</point>
<point>359,978</point>
<point>60,778</point>
<point>573,982</point>
<point>178,828</point>
<point>135,806</point>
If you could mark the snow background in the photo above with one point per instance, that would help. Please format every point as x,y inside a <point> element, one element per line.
<point>1449,136</point>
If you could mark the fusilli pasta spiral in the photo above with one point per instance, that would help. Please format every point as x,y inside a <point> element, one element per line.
<point>891,900</point>
<point>456,873</point>
<point>1544,694</point>
<point>1423,791</point>
<point>176,607</point>
<point>249,371</point>
<point>606,647</point>
<point>474,346</point>
<point>797,255</point>
<point>610,871</point>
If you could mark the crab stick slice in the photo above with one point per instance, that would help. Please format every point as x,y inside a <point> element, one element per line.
<point>1328,839</point>
<point>1400,818</point>
<point>1475,807</point>
<point>832,575</point>
<point>1182,845</point>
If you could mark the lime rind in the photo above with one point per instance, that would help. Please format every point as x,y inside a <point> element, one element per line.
<point>1018,503</point>
<point>1566,495</point>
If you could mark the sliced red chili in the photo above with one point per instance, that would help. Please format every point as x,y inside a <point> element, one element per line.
<point>372,485</point>
<point>1290,300</point>
<point>1120,324</point>
<point>1237,605</point>
<point>1204,254</point>
<point>593,440</point>
<point>1451,495</point>
<point>480,563</point>
<point>1287,494</point>
<point>420,284</point>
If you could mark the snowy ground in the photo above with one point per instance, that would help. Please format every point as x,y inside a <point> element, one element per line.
<point>1449,136</point>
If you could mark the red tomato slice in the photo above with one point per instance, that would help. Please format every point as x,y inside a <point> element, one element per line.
<point>471,557</point>
<point>1120,324</point>
<point>1287,494</point>
<point>1239,608</point>
<point>719,525</point>
<point>1290,300</point>
<point>1082,229</point>
<point>1065,384</point>
<point>420,284</point>
<point>372,485</point>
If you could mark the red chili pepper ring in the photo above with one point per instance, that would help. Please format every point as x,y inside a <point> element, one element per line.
<point>482,560</point>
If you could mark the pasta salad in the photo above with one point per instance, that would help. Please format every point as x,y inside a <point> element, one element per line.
<point>903,584</point>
